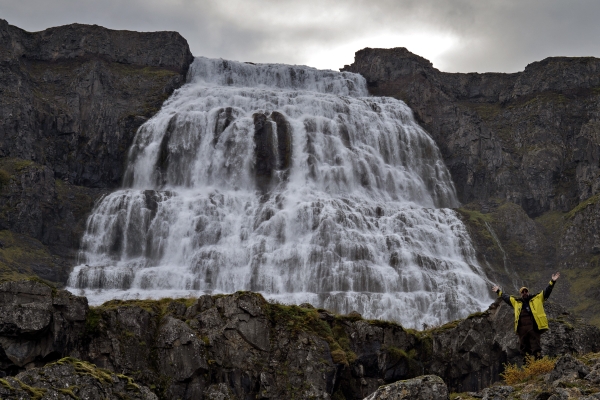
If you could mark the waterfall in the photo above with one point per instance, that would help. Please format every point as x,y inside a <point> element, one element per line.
<point>291,182</point>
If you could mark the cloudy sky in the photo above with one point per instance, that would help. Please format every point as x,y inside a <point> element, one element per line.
<point>456,35</point>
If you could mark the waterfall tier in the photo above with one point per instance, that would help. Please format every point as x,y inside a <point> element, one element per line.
<point>291,182</point>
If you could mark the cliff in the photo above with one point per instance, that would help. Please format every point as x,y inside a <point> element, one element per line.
<point>241,347</point>
<point>524,153</point>
<point>71,100</point>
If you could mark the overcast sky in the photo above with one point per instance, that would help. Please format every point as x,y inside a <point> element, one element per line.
<point>456,35</point>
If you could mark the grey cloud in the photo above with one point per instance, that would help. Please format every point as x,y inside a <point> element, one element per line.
<point>493,35</point>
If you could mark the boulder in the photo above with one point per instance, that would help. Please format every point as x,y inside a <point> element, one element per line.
<point>427,387</point>
<point>38,323</point>
<point>72,379</point>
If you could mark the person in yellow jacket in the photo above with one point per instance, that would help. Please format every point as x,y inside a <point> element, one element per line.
<point>530,318</point>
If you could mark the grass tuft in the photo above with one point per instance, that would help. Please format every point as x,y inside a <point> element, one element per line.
<point>533,368</point>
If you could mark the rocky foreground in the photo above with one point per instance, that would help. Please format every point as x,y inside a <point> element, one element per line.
<point>239,346</point>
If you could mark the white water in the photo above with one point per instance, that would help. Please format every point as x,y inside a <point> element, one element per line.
<point>341,201</point>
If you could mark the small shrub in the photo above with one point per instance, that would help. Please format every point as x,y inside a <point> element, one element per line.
<point>533,368</point>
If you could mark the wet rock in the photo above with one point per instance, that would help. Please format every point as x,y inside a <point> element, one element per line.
<point>265,146</point>
<point>428,387</point>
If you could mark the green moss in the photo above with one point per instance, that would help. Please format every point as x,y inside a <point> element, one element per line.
<point>18,253</point>
<point>487,111</point>
<point>338,395</point>
<point>539,99</point>
<point>131,385</point>
<point>583,283</point>
<point>4,178</point>
<point>5,383</point>
<point>400,354</point>
<point>69,392</point>
<point>582,206</point>
<point>551,222</point>
<point>446,327</point>
<point>478,223</point>
<point>34,392</point>
<point>92,321</point>
<point>297,319</point>
<point>384,324</point>
<point>86,368</point>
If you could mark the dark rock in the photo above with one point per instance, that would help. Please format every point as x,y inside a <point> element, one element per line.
<point>265,158</point>
<point>527,137</point>
<point>240,346</point>
<point>428,387</point>
<point>568,367</point>
<point>72,100</point>
<point>38,323</point>
<point>594,375</point>
<point>72,379</point>
<point>496,393</point>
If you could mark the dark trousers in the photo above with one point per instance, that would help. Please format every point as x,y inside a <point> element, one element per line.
<point>529,337</point>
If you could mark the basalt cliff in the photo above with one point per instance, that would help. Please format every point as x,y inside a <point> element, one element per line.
<point>71,100</point>
<point>523,151</point>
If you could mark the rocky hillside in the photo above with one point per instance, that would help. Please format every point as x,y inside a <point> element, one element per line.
<point>71,100</point>
<point>524,153</point>
<point>241,347</point>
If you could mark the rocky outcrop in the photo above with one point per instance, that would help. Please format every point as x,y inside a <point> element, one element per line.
<point>240,346</point>
<point>428,387</point>
<point>529,137</point>
<point>72,98</point>
<point>38,324</point>
<point>69,379</point>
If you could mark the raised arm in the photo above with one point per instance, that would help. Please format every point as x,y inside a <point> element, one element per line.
<point>548,289</point>
<point>503,296</point>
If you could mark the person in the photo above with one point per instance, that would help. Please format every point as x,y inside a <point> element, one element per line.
<point>530,318</point>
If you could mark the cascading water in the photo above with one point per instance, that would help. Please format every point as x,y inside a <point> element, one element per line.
<point>291,182</point>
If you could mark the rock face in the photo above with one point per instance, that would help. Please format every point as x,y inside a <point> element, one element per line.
<point>37,324</point>
<point>523,151</point>
<point>239,346</point>
<point>530,137</point>
<point>72,98</point>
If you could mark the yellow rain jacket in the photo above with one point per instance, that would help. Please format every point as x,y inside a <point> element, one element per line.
<point>536,304</point>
